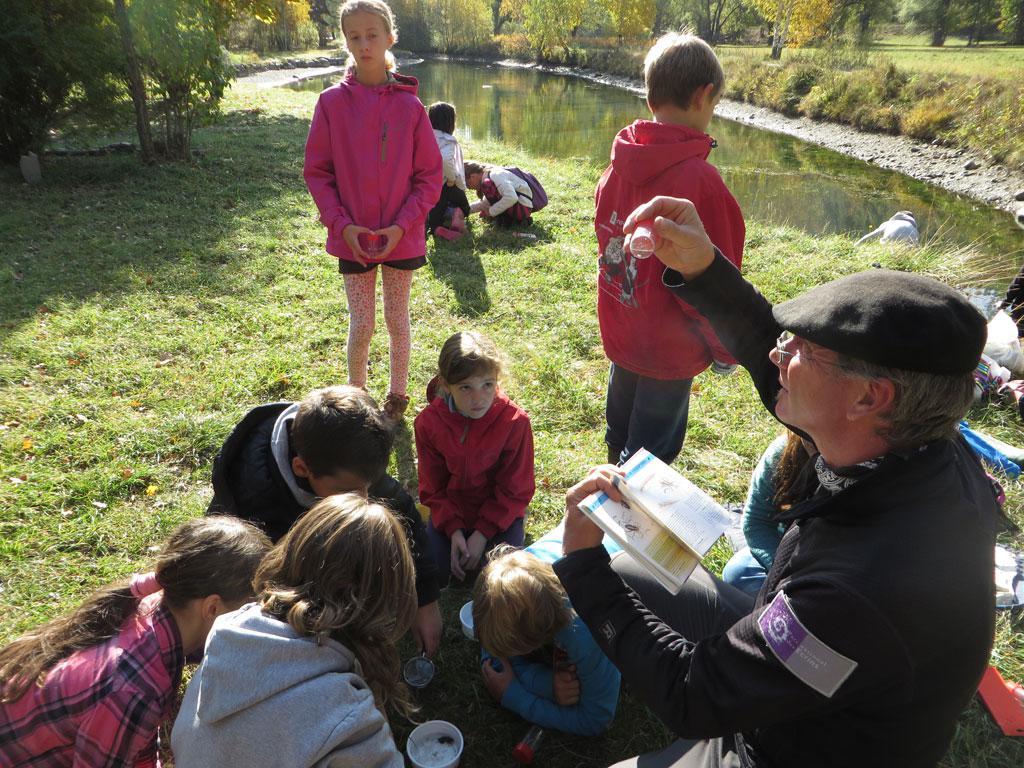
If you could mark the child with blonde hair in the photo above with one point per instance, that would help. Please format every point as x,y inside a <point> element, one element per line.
<point>373,168</point>
<point>92,687</point>
<point>475,451</point>
<point>539,659</point>
<point>333,599</point>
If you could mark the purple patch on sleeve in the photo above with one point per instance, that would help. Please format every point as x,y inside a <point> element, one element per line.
<point>801,652</point>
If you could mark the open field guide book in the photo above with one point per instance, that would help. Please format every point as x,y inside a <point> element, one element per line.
<point>664,521</point>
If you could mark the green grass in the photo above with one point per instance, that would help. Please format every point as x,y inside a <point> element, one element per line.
<point>914,55</point>
<point>146,309</point>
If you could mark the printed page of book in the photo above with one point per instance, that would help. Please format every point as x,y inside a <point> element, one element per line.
<point>690,514</point>
<point>650,543</point>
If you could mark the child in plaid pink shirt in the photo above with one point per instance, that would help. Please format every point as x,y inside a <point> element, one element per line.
<point>91,688</point>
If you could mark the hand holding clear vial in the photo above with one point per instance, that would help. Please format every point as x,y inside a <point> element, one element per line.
<point>643,240</point>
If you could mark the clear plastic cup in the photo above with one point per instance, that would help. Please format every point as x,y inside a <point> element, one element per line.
<point>643,240</point>
<point>372,243</point>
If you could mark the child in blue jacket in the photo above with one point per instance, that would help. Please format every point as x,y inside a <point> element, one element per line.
<point>539,659</point>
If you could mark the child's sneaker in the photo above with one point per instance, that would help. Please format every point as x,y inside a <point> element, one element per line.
<point>395,405</point>
<point>458,220</point>
<point>447,234</point>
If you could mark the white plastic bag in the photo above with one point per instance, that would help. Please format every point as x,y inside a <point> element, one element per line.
<point>1003,346</point>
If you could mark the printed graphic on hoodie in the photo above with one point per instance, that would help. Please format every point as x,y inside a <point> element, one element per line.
<point>618,267</point>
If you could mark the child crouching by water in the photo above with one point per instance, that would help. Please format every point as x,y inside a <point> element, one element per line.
<point>539,659</point>
<point>92,687</point>
<point>304,675</point>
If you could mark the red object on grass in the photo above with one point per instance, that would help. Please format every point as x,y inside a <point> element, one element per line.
<point>1003,701</point>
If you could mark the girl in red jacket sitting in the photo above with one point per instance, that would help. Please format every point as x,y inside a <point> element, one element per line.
<point>373,168</point>
<point>475,449</point>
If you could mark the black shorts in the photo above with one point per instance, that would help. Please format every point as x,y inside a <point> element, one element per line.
<point>349,267</point>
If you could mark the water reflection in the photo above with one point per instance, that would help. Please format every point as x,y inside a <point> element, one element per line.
<point>776,178</point>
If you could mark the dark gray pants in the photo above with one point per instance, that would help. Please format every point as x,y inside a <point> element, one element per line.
<point>705,606</point>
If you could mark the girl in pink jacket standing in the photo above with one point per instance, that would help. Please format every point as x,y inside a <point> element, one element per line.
<point>373,168</point>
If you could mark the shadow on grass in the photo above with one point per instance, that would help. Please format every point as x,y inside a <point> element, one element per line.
<point>111,226</point>
<point>457,264</point>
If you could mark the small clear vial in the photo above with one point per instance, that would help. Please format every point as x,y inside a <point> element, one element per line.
<point>643,241</point>
<point>526,748</point>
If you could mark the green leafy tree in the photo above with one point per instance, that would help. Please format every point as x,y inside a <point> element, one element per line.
<point>460,23</point>
<point>1011,21</point>
<point>933,16</point>
<point>630,18</point>
<point>324,15</point>
<point>173,62</point>
<point>415,24</point>
<point>56,60</point>
<point>978,19</point>
<point>547,23</point>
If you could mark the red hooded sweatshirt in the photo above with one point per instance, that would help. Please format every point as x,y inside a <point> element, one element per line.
<point>644,327</point>
<point>475,474</point>
<point>372,160</point>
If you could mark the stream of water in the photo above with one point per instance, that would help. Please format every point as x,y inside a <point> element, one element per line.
<point>776,178</point>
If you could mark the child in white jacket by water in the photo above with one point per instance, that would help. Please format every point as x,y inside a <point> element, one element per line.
<point>447,218</point>
<point>505,197</point>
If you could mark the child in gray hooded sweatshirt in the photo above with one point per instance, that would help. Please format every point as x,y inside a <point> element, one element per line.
<point>303,676</point>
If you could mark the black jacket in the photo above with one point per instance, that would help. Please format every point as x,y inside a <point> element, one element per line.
<point>893,573</point>
<point>247,483</point>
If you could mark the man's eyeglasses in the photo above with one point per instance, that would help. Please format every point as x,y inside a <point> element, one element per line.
<point>787,339</point>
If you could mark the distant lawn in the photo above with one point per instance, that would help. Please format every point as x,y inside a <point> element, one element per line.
<point>146,309</point>
<point>913,54</point>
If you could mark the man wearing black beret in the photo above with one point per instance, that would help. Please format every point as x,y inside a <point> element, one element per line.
<point>875,623</point>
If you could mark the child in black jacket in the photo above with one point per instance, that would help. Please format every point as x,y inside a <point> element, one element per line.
<point>283,457</point>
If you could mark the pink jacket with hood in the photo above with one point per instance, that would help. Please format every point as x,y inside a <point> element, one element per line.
<point>371,160</point>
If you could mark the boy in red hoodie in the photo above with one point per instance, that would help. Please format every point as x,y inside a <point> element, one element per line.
<point>655,342</point>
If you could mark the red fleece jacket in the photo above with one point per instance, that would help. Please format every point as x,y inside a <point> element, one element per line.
<point>475,474</point>
<point>644,327</point>
<point>372,160</point>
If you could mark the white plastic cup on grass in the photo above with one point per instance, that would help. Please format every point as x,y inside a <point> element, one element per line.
<point>435,744</point>
<point>466,618</point>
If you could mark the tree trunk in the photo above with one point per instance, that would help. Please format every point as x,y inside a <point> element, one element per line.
<point>864,26</point>
<point>1017,31</point>
<point>498,21</point>
<point>135,83</point>
<point>940,22</point>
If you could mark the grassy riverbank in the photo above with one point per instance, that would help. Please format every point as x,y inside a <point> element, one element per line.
<point>146,309</point>
<point>970,98</point>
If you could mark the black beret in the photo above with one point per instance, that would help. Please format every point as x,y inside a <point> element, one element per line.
<point>896,319</point>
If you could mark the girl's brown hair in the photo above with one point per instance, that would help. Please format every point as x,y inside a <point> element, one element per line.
<point>205,556</point>
<point>519,604</point>
<point>795,479</point>
<point>344,571</point>
<point>378,8</point>
<point>468,353</point>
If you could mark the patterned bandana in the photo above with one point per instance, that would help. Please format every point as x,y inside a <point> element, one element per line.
<point>835,480</point>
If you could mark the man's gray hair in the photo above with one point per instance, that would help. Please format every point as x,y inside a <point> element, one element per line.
<point>926,406</point>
